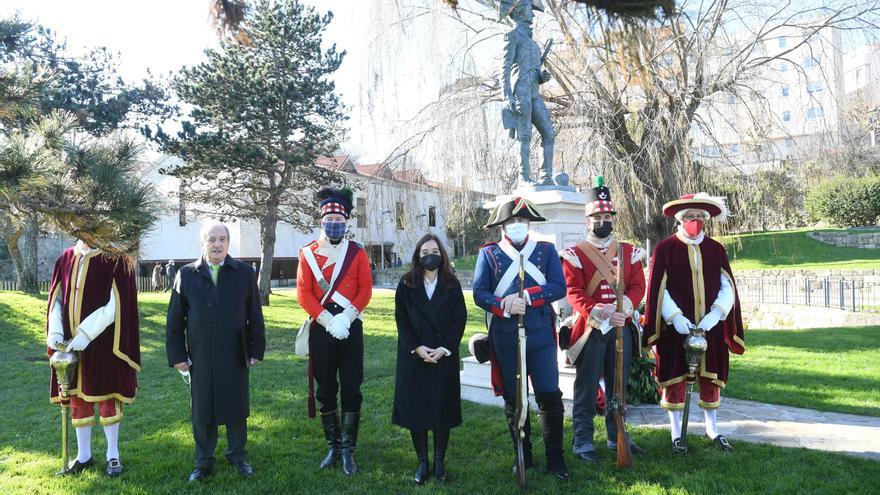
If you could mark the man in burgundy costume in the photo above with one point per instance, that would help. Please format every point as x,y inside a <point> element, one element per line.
<point>691,284</point>
<point>93,305</point>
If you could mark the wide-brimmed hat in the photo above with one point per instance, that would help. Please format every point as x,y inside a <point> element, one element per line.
<point>715,206</point>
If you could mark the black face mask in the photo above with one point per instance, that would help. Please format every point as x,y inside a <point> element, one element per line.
<point>602,229</point>
<point>431,261</point>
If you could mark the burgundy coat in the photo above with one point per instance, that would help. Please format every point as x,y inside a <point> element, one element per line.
<point>108,366</point>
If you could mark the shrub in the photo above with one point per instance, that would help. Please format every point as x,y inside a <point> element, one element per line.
<point>846,202</point>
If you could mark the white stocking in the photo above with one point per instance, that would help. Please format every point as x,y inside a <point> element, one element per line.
<point>711,423</point>
<point>112,434</point>
<point>675,423</point>
<point>84,443</point>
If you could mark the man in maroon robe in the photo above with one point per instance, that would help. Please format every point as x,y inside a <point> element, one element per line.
<point>691,283</point>
<point>93,305</point>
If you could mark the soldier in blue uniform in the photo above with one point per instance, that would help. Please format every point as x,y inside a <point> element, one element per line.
<point>496,290</point>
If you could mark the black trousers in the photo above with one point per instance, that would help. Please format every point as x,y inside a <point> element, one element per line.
<point>597,358</point>
<point>332,357</point>
<point>205,436</point>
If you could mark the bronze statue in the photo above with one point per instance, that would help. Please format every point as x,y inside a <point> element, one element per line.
<point>521,76</point>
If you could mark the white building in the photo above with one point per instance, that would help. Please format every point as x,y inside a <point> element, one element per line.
<point>794,103</point>
<point>393,209</point>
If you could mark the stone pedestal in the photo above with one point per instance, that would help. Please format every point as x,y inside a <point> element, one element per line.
<point>562,206</point>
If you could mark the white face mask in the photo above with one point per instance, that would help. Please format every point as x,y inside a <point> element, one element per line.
<point>517,232</point>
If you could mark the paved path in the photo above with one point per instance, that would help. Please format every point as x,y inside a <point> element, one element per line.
<point>779,425</point>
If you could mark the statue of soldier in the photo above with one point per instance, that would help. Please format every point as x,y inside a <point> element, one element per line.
<point>521,75</point>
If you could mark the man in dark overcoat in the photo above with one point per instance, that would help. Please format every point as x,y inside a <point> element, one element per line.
<point>215,333</point>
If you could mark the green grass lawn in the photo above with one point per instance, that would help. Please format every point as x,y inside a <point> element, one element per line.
<point>285,447</point>
<point>792,249</point>
<point>829,369</point>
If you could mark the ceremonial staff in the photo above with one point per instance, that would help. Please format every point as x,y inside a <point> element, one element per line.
<point>64,363</point>
<point>624,455</point>
<point>695,345</point>
<point>522,390</point>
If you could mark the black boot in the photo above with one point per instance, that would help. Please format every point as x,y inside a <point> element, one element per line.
<point>552,412</point>
<point>420,442</point>
<point>509,410</point>
<point>441,440</point>
<point>330,422</point>
<point>350,423</point>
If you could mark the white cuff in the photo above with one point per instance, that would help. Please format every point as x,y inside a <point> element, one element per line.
<point>352,313</point>
<point>99,320</point>
<point>669,309</point>
<point>56,324</point>
<point>724,300</point>
<point>324,318</point>
<point>445,351</point>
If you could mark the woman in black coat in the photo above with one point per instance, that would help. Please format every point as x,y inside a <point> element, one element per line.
<point>430,313</point>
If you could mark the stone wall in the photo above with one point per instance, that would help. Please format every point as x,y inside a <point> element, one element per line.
<point>867,240</point>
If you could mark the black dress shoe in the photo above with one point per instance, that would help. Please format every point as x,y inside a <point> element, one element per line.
<point>77,467</point>
<point>198,474</point>
<point>423,472</point>
<point>678,448</point>
<point>590,456</point>
<point>244,469</point>
<point>114,468</point>
<point>723,443</point>
<point>560,473</point>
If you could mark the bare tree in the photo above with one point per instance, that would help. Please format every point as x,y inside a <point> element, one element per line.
<point>632,99</point>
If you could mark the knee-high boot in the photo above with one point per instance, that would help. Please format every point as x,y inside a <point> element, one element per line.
<point>350,425</point>
<point>441,440</point>
<point>330,422</point>
<point>420,443</point>
<point>552,412</point>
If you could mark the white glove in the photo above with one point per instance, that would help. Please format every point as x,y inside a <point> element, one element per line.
<point>53,339</point>
<point>339,327</point>
<point>351,313</point>
<point>80,342</point>
<point>710,320</point>
<point>681,324</point>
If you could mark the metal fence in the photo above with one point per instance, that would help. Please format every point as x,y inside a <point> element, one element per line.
<point>835,293</point>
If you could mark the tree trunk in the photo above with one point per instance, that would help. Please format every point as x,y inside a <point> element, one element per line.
<point>267,243</point>
<point>28,280</point>
<point>24,256</point>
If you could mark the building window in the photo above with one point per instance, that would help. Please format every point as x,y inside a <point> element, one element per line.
<point>786,116</point>
<point>783,42</point>
<point>783,66</point>
<point>814,87</point>
<point>734,149</point>
<point>361,213</point>
<point>789,144</point>
<point>432,216</point>
<point>710,151</point>
<point>811,62</point>
<point>731,99</point>
<point>814,113</point>
<point>785,90</point>
<point>399,215</point>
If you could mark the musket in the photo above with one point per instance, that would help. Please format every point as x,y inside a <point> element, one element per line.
<point>521,403</point>
<point>624,455</point>
<point>695,345</point>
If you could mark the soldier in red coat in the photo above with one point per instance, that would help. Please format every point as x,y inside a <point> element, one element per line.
<point>334,285</point>
<point>691,284</point>
<point>590,271</point>
<point>93,305</point>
